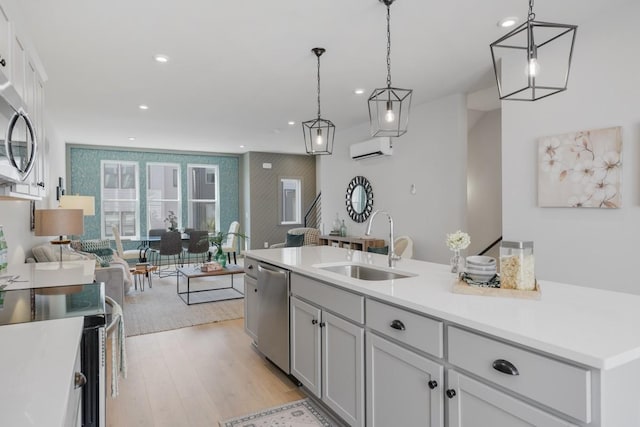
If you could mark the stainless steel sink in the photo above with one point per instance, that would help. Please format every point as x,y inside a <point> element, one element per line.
<point>363,272</point>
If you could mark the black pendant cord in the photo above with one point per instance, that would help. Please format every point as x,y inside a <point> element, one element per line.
<point>318,86</point>
<point>389,44</point>
<point>531,16</point>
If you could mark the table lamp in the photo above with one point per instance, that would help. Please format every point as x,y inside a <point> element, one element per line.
<point>86,203</point>
<point>59,222</point>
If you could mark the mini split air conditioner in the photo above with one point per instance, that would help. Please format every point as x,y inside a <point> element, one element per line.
<point>371,148</point>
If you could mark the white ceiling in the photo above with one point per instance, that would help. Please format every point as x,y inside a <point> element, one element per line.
<point>241,69</point>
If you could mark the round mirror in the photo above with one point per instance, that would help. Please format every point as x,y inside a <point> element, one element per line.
<point>359,199</point>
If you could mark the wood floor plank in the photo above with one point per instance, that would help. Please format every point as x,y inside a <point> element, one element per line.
<point>194,377</point>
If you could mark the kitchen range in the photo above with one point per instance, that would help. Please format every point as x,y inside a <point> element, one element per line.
<point>398,347</point>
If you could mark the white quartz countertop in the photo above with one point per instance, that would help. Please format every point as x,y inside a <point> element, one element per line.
<point>593,327</point>
<point>47,274</point>
<point>36,371</point>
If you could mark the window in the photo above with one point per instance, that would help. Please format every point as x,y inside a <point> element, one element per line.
<point>204,209</point>
<point>120,198</point>
<point>163,194</point>
<point>290,201</point>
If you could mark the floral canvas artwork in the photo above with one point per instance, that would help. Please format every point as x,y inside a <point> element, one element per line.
<point>581,169</point>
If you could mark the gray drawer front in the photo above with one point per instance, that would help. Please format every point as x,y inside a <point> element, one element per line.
<point>251,267</point>
<point>420,332</point>
<point>559,385</point>
<point>344,303</point>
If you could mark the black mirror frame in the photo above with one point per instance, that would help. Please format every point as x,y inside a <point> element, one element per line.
<point>353,184</point>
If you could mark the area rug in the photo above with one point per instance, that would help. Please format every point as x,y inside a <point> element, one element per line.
<point>302,413</point>
<point>160,308</point>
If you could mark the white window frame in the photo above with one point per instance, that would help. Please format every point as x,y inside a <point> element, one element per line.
<point>179,192</point>
<point>297,183</point>
<point>103,199</point>
<point>191,200</point>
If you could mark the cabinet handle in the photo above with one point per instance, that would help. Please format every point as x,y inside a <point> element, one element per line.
<point>322,324</point>
<point>451,393</point>
<point>255,290</point>
<point>432,384</point>
<point>40,184</point>
<point>80,380</point>
<point>314,322</point>
<point>250,267</point>
<point>396,324</point>
<point>505,367</point>
<point>3,62</point>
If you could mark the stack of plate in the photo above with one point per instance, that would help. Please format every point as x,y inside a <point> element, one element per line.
<point>480,268</point>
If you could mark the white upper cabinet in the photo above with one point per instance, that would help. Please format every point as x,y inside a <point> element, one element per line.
<point>5,44</point>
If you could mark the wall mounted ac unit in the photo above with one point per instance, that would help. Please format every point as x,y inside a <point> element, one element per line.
<point>371,148</point>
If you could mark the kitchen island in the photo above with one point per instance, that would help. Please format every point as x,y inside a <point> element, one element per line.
<point>577,348</point>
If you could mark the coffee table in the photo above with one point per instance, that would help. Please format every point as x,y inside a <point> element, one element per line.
<point>195,272</point>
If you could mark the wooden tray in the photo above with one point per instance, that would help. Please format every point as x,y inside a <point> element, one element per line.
<point>462,287</point>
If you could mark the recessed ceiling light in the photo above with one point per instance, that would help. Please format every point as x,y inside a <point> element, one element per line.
<point>358,91</point>
<point>143,107</point>
<point>161,58</point>
<point>291,123</point>
<point>132,138</point>
<point>507,22</point>
<point>242,146</point>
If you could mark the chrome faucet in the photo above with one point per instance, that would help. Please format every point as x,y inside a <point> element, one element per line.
<point>392,252</point>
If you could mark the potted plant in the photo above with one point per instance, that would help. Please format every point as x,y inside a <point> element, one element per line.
<point>172,221</point>
<point>217,240</point>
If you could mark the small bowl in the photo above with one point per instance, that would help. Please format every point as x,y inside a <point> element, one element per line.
<point>479,269</point>
<point>480,260</point>
<point>480,277</point>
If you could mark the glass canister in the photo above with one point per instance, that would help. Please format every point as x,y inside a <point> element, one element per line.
<point>4,252</point>
<point>517,266</point>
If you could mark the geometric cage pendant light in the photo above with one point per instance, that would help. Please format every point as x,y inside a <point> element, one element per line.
<point>389,106</point>
<point>533,60</point>
<point>318,132</point>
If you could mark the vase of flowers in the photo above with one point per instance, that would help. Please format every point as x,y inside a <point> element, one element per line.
<point>172,221</point>
<point>457,242</point>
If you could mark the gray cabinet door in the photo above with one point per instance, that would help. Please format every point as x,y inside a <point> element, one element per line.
<point>398,386</point>
<point>343,368</point>
<point>305,344</point>
<point>478,405</point>
<point>251,307</point>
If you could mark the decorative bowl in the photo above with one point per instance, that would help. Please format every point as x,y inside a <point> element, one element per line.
<point>481,261</point>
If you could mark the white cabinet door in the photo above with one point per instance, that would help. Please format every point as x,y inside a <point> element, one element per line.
<point>343,368</point>
<point>403,388</point>
<point>473,404</point>
<point>251,307</point>
<point>305,344</point>
<point>18,62</point>
<point>5,44</point>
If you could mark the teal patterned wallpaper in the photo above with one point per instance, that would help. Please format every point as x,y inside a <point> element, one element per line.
<point>84,170</point>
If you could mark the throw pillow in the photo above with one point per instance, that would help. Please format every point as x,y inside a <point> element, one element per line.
<point>102,248</point>
<point>382,250</point>
<point>294,240</point>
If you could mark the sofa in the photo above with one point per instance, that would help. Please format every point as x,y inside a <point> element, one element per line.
<point>114,274</point>
<point>311,237</point>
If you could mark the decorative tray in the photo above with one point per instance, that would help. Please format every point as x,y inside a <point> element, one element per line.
<point>465,285</point>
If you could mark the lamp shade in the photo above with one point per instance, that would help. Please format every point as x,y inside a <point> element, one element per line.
<point>59,222</point>
<point>86,203</point>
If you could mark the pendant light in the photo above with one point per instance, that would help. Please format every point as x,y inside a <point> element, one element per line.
<point>318,133</point>
<point>389,106</point>
<point>533,60</point>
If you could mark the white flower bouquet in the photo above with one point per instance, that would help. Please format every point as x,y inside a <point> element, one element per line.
<point>458,240</point>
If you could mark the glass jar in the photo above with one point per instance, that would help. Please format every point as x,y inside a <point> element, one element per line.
<point>517,266</point>
<point>343,229</point>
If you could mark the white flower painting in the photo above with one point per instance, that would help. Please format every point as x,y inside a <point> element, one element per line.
<point>581,169</point>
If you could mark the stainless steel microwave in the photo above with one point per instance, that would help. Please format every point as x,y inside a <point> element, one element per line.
<point>19,149</point>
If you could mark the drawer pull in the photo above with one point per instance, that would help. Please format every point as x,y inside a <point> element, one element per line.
<point>451,393</point>
<point>80,380</point>
<point>396,324</point>
<point>255,290</point>
<point>314,321</point>
<point>250,267</point>
<point>505,367</point>
<point>432,384</point>
<point>322,324</point>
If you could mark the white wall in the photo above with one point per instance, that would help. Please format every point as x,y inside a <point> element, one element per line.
<point>484,178</point>
<point>432,155</point>
<point>591,247</point>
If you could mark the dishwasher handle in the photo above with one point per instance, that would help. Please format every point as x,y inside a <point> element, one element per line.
<point>272,270</point>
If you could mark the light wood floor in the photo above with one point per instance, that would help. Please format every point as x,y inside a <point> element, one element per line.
<point>195,376</point>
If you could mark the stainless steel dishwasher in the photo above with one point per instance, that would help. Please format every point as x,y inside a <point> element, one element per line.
<point>273,314</point>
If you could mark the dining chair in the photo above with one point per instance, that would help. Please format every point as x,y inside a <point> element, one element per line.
<point>170,246</point>
<point>129,254</point>
<point>231,243</point>
<point>198,245</point>
<point>154,246</point>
